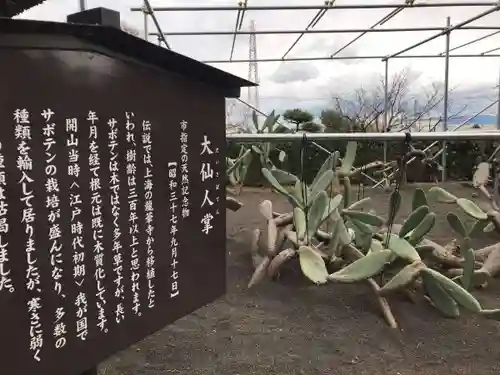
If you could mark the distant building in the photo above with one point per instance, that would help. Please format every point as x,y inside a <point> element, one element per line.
<point>481,122</point>
<point>488,120</point>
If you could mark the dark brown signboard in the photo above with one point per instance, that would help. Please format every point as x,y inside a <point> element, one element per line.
<point>112,222</point>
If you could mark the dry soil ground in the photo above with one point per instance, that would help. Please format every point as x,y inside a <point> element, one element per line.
<point>297,328</point>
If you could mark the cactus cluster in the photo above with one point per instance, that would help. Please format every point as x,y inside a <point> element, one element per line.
<point>394,169</point>
<point>262,151</point>
<point>234,169</point>
<point>483,264</point>
<point>237,169</point>
<point>340,240</point>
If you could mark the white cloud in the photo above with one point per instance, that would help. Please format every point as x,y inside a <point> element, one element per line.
<point>320,78</point>
<point>295,72</point>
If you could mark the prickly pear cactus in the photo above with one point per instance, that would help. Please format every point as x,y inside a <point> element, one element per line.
<point>477,266</point>
<point>340,240</point>
<point>235,168</point>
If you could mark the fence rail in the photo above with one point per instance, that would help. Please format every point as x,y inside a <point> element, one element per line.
<point>493,135</point>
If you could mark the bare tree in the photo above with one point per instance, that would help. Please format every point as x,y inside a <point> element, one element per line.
<point>365,110</point>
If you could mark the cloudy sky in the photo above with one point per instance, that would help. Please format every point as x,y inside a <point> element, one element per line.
<point>312,84</point>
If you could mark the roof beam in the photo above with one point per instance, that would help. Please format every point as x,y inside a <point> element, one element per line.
<point>380,22</point>
<point>328,58</point>
<point>448,30</point>
<point>325,31</point>
<point>317,17</point>
<point>472,41</point>
<point>318,7</point>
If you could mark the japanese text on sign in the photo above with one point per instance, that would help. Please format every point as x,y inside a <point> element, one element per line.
<point>54,215</point>
<point>207,173</point>
<point>184,170</point>
<point>76,226</point>
<point>174,221</point>
<point>149,212</point>
<point>5,271</point>
<point>131,168</point>
<point>24,163</point>
<point>114,199</point>
<point>96,203</point>
<point>86,188</point>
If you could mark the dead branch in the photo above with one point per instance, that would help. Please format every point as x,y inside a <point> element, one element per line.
<point>366,110</point>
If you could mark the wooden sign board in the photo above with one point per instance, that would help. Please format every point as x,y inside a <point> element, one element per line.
<point>112,218</point>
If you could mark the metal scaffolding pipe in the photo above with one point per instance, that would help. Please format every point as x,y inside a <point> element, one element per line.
<point>148,10</point>
<point>239,16</point>
<point>391,15</point>
<point>324,58</point>
<point>362,137</point>
<point>446,95</point>
<point>498,103</point>
<point>386,105</point>
<point>446,75</point>
<point>489,51</point>
<point>324,31</point>
<point>145,19</point>
<point>457,26</point>
<point>386,95</point>
<point>379,22</point>
<point>319,7</point>
<point>245,6</point>
<point>317,17</point>
<point>472,41</point>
